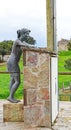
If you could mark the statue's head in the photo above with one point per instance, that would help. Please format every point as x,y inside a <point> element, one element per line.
<point>22,33</point>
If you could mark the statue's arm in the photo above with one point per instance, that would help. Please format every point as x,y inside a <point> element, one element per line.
<point>24,44</point>
<point>27,45</point>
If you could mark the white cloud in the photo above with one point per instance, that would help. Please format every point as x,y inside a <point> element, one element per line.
<point>22,7</point>
<point>15,14</point>
<point>64,19</point>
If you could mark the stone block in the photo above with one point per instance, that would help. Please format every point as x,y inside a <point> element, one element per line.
<point>46,119</point>
<point>44,58</point>
<point>30,78</point>
<point>31,58</point>
<point>13,112</point>
<point>43,94</point>
<point>44,71</point>
<point>37,115</point>
<point>33,115</point>
<point>30,96</point>
<point>43,79</point>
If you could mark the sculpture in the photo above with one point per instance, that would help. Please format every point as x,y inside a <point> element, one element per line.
<point>12,63</point>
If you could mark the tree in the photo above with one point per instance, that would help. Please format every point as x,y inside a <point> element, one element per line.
<point>30,40</point>
<point>69,45</point>
<point>5,48</point>
<point>6,45</point>
<point>67,64</point>
<point>3,53</point>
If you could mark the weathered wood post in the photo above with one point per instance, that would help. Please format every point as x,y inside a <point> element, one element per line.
<point>51,25</point>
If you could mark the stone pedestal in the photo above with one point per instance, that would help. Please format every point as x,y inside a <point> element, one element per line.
<point>37,88</point>
<point>13,112</point>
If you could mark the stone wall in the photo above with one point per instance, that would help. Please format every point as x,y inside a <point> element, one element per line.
<point>37,110</point>
<point>62,45</point>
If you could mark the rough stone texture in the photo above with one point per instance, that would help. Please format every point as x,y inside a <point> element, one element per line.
<point>33,115</point>
<point>37,89</point>
<point>44,71</point>
<point>31,96</point>
<point>46,120</point>
<point>63,122</point>
<point>13,112</point>
<point>37,75</point>
<point>45,79</point>
<point>31,58</point>
<point>43,94</point>
<point>30,78</point>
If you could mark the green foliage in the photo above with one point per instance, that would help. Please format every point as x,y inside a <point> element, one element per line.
<point>3,52</point>
<point>5,48</point>
<point>28,39</point>
<point>67,64</point>
<point>69,45</point>
<point>6,45</point>
<point>62,56</point>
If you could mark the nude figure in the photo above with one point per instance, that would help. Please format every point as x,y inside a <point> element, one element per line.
<point>12,63</point>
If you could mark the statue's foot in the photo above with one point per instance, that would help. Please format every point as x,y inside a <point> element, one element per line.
<point>13,100</point>
<point>17,100</point>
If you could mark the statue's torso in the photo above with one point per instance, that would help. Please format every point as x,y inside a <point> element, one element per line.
<point>14,58</point>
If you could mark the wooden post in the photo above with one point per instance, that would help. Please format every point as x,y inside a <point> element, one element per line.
<point>51,25</point>
<point>62,86</point>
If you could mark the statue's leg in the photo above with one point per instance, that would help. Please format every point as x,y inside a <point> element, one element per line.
<point>12,81</point>
<point>14,87</point>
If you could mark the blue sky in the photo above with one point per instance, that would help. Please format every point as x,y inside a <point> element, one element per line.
<point>31,14</point>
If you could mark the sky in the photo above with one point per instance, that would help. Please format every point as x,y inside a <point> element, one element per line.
<point>31,14</point>
<point>63,19</point>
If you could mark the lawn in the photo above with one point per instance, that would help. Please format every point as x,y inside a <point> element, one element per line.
<point>66,79</point>
<point>5,78</point>
<point>5,81</point>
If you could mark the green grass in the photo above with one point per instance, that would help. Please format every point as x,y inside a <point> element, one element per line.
<point>66,79</point>
<point>5,81</point>
<point>63,55</point>
<point>4,86</point>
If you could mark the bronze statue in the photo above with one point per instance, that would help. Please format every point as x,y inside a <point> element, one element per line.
<point>12,63</point>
